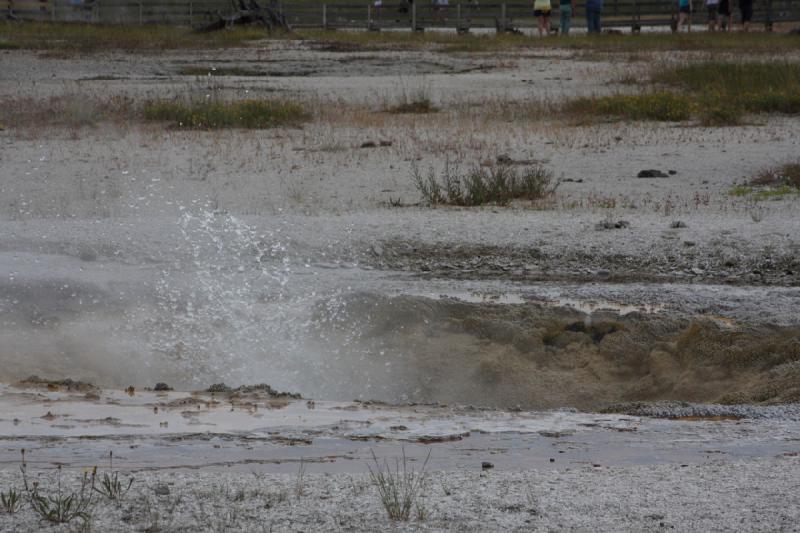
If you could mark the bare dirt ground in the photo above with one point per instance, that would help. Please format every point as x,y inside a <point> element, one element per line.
<point>133,253</point>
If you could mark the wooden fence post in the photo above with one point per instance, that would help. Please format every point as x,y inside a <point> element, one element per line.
<point>53,10</point>
<point>191,13</point>
<point>324,16</point>
<point>414,16</point>
<point>140,13</point>
<point>502,27</point>
<point>369,16</point>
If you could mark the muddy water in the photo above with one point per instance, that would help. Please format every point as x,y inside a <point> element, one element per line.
<point>224,302</point>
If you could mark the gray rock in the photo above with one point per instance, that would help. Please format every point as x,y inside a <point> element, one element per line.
<point>651,173</point>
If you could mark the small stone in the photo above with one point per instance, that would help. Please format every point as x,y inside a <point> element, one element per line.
<point>386,143</point>
<point>161,490</point>
<point>651,173</point>
<point>369,144</point>
<point>376,249</point>
<point>486,465</point>
<point>689,244</point>
<point>552,460</point>
<point>162,387</point>
<point>672,172</point>
<point>504,159</point>
<point>677,224</point>
<point>697,271</point>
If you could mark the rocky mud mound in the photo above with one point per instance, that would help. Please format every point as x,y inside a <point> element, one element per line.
<point>534,356</point>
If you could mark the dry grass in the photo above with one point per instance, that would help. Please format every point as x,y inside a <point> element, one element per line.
<point>87,38</point>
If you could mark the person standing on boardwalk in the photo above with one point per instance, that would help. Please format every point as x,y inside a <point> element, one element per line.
<point>746,9</point>
<point>713,14</point>
<point>565,10</point>
<point>594,9</point>
<point>541,10</point>
<point>724,11</point>
<point>685,14</point>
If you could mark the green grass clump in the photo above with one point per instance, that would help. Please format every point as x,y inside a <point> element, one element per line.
<point>6,45</point>
<point>662,106</point>
<point>724,91</point>
<point>420,107</point>
<point>498,184</point>
<point>716,93</point>
<point>248,114</point>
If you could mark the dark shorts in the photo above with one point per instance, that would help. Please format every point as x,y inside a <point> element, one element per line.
<point>686,9</point>
<point>724,8</point>
<point>712,12</point>
<point>746,8</point>
<point>540,13</point>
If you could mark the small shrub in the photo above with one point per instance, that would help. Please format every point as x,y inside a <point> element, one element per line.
<point>785,175</point>
<point>213,114</point>
<point>10,501</point>
<point>400,487</point>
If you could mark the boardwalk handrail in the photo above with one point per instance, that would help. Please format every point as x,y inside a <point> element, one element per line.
<point>460,15</point>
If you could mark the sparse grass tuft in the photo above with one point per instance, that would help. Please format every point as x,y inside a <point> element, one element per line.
<point>399,488</point>
<point>10,501</point>
<point>213,114</point>
<point>497,184</point>
<point>112,488</point>
<point>422,106</point>
<point>6,45</point>
<point>61,506</point>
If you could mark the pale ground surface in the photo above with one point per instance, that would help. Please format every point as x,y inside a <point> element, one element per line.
<point>133,254</point>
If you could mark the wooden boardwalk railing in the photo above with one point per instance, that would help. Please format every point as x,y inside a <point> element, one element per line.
<point>461,15</point>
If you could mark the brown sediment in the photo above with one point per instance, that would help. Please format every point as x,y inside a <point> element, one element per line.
<point>535,356</point>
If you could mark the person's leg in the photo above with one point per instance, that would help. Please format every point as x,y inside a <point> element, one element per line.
<point>598,23</point>
<point>539,24</point>
<point>546,24</point>
<point>588,21</point>
<point>566,19</point>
